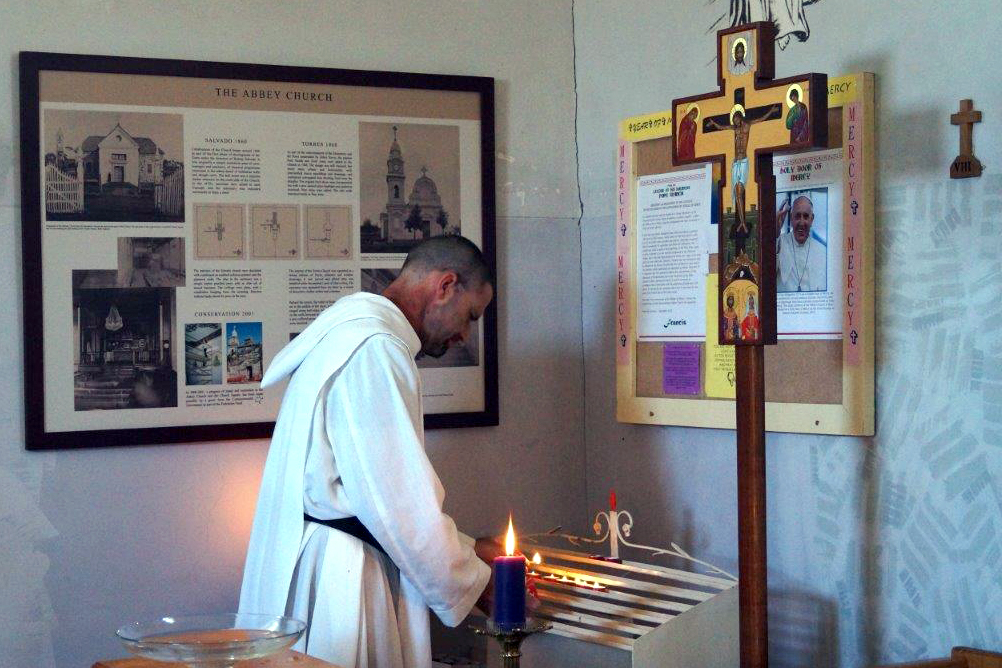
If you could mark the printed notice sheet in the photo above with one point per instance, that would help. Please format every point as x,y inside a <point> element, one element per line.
<point>673,217</point>
<point>809,245</point>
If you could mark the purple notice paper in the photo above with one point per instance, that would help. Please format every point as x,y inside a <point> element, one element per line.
<point>681,368</point>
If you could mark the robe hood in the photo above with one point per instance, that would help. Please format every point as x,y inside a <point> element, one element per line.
<point>353,307</point>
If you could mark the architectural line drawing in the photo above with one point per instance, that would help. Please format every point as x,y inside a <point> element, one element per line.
<point>329,232</point>
<point>275,232</point>
<point>219,231</point>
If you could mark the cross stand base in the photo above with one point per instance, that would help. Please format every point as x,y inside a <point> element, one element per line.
<point>511,639</point>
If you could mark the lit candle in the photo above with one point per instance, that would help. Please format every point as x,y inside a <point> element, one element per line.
<point>509,585</point>
<point>536,561</point>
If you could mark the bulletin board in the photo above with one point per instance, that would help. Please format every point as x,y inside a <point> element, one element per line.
<point>816,382</point>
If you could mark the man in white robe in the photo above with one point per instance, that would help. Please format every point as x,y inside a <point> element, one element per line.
<point>801,260</point>
<point>349,442</point>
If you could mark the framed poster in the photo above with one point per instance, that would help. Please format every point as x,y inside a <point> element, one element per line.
<point>183,221</point>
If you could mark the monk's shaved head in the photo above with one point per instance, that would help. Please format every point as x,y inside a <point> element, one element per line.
<point>443,288</point>
<point>449,253</point>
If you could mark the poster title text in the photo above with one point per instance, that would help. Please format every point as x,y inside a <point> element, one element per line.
<point>271,94</point>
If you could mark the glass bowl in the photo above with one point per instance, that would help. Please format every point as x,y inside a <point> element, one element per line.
<point>211,641</point>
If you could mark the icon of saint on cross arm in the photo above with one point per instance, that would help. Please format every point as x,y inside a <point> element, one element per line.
<point>687,133</point>
<point>742,60</point>
<point>797,118</point>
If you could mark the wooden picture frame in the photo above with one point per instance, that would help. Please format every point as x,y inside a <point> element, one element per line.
<point>840,371</point>
<point>117,153</point>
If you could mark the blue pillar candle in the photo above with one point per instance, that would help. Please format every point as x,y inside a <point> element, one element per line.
<point>509,585</point>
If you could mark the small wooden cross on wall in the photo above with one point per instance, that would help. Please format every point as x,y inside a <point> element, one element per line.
<point>965,165</point>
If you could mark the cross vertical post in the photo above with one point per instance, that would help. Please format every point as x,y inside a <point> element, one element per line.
<point>740,126</point>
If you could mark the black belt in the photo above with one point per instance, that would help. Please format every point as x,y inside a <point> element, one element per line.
<point>349,525</point>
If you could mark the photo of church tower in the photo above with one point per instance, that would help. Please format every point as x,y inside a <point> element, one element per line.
<point>243,353</point>
<point>399,210</point>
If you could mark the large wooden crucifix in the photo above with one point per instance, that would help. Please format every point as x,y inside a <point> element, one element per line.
<point>740,126</point>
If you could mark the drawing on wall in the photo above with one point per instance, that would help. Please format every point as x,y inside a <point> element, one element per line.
<point>328,232</point>
<point>789,17</point>
<point>219,231</point>
<point>275,231</point>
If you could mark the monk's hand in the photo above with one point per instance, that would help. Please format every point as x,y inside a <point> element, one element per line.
<point>487,548</point>
<point>531,595</point>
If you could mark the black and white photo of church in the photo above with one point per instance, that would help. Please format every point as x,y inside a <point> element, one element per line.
<point>106,166</point>
<point>123,343</point>
<point>151,262</point>
<point>397,211</point>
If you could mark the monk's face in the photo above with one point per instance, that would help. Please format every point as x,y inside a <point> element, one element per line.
<point>739,53</point>
<point>450,314</point>
<point>801,219</point>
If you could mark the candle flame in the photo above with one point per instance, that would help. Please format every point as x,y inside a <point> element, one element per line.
<point>536,559</point>
<point>509,541</point>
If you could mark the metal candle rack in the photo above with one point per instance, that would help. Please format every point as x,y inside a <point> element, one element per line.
<point>610,601</point>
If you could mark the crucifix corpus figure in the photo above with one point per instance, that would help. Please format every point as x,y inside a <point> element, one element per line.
<point>741,126</point>
<point>748,96</point>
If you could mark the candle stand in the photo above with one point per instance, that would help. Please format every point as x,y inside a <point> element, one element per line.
<point>511,639</point>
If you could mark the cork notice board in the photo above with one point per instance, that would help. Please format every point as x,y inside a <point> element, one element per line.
<point>815,382</point>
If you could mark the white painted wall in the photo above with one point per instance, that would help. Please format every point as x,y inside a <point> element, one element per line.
<point>885,548</point>
<point>91,539</point>
<point>879,549</point>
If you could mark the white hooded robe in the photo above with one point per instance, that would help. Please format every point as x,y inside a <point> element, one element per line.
<point>349,441</point>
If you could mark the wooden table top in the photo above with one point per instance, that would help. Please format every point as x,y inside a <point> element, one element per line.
<point>288,659</point>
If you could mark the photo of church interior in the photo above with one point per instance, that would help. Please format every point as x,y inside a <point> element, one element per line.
<point>678,525</point>
<point>123,344</point>
<point>203,354</point>
<point>150,262</point>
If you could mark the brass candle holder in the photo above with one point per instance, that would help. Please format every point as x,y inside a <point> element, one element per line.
<point>510,638</point>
